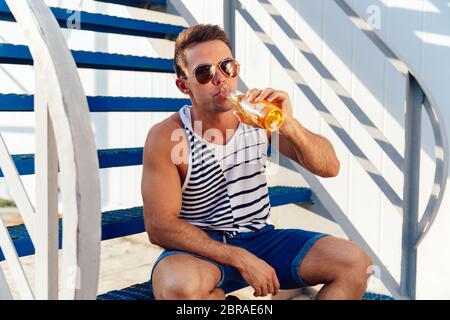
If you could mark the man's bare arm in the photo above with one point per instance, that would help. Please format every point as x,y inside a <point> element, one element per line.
<point>161,192</point>
<point>314,152</point>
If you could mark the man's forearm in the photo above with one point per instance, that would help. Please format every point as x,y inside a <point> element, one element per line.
<point>313,151</point>
<point>181,235</point>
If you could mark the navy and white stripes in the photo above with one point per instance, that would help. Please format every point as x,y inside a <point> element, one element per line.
<point>225,187</point>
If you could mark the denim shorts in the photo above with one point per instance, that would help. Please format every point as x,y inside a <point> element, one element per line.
<point>283,249</point>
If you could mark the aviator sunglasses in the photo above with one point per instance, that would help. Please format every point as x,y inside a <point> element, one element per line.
<point>205,72</point>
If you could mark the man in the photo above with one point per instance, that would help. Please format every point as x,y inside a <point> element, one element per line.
<point>211,213</point>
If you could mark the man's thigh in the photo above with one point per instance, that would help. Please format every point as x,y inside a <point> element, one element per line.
<point>329,257</point>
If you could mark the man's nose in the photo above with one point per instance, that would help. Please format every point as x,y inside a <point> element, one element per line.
<point>218,78</point>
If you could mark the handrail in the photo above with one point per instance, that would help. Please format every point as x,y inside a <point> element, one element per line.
<point>441,172</point>
<point>60,99</point>
<point>433,112</point>
<point>413,232</point>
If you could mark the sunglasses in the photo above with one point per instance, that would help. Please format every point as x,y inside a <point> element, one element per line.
<point>205,72</point>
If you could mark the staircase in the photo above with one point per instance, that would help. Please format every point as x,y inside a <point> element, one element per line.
<point>123,221</point>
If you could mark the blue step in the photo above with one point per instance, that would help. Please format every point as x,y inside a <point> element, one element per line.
<point>124,222</point>
<point>105,23</point>
<point>20,54</point>
<point>136,3</point>
<point>23,102</point>
<point>107,158</point>
<point>376,296</point>
<point>144,291</point>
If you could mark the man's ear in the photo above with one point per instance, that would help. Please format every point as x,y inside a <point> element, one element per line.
<point>182,86</point>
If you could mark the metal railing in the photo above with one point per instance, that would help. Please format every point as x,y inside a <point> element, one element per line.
<point>418,97</point>
<point>64,137</point>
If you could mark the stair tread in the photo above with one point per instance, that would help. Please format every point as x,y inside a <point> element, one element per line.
<point>141,291</point>
<point>124,222</point>
<point>20,54</point>
<point>23,102</point>
<point>108,158</point>
<point>107,23</point>
<point>144,291</point>
<point>135,3</point>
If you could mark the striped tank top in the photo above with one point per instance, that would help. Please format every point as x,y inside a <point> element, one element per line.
<point>225,188</point>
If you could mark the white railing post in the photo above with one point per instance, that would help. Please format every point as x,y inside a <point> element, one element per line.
<point>46,173</point>
<point>411,184</point>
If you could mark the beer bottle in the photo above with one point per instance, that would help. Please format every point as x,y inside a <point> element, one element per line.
<point>263,114</point>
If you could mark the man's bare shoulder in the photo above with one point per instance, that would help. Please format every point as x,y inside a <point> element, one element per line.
<point>162,136</point>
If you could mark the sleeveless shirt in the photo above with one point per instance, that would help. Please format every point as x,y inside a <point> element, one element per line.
<point>225,188</point>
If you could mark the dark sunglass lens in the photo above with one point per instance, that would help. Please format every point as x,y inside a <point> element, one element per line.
<point>204,73</point>
<point>229,67</point>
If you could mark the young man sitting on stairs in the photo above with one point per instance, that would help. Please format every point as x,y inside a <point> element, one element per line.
<point>206,199</point>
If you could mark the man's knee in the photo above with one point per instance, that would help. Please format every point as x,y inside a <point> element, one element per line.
<point>357,266</point>
<point>180,277</point>
<point>179,289</point>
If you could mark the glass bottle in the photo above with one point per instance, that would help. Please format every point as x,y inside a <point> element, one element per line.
<point>263,114</point>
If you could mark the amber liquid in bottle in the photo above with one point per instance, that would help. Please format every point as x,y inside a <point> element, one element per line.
<point>263,114</point>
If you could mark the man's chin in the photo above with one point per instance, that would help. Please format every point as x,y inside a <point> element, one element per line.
<point>223,105</point>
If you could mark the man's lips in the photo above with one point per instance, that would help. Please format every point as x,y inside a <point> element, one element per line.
<point>222,93</point>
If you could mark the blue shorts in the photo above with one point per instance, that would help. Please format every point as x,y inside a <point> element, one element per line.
<point>283,249</point>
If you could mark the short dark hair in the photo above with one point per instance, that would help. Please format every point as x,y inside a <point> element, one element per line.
<point>193,35</point>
